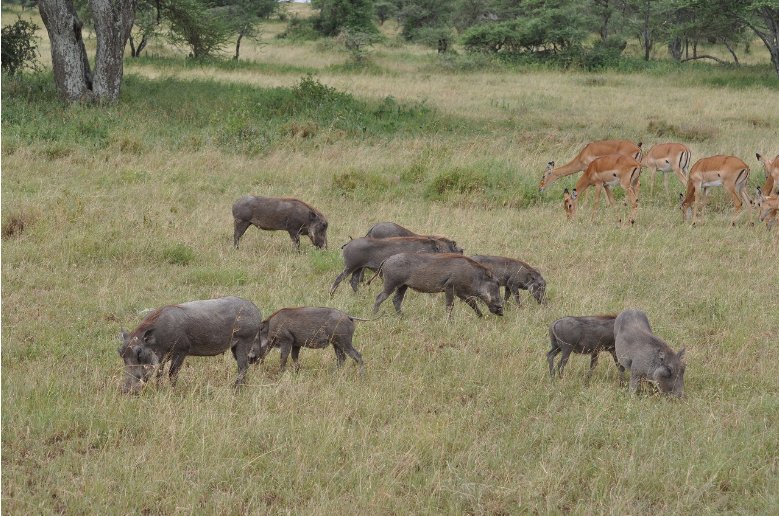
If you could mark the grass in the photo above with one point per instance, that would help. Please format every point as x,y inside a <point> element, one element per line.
<point>109,212</point>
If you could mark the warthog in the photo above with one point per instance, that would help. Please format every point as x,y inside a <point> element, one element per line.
<point>369,253</point>
<point>646,355</point>
<point>290,329</point>
<point>280,213</point>
<point>585,335</point>
<point>515,275</point>
<point>454,274</point>
<point>197,328</point>
<point>390,229</point>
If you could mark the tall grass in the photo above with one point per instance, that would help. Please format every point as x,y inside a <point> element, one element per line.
<point>113,211</point>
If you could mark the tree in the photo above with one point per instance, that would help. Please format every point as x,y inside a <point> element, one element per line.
<point>113,20</point>
<point>762,17</point>
<point>147,22</point>
<point>193,23</point>
<point>418,14</point>
<point>335,15</point>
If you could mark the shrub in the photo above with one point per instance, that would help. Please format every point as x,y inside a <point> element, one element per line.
<point>19,49</point>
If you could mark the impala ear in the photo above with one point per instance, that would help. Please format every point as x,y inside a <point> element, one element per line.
<point>758,156</point>
<point>639,144</point>
<point>574,194</point>
<point>550,164</point>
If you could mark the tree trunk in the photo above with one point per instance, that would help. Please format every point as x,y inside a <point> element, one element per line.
<point>136,51</point>
<point>647,33</point>
<point>732,51</point>
<point>113,21</point>
<point>675,48</point>
<point>768,34</point>
<point>72,75</point>
<point>238,45</point>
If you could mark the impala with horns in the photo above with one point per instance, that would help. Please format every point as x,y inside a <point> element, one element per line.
<point>729,172</point>
<point>590,152</point>
<point>608,171</point>
<point>771,167</point>
<point>667,157</point>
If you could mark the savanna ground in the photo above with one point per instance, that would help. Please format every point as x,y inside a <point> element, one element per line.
<point>109,211</point>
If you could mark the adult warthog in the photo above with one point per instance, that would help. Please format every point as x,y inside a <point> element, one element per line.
<point>197,328</point>
<point>647,356</point>
<point>453,274</point>
<point>369,253</point>
<point>282,214</point>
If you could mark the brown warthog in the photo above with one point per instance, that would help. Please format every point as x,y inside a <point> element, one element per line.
<point>290,329</point>
<point>454,274</point>
<point>646,355</point>
<point>280,213</point>
<point>515,275</point>
<point>587,335</point>
<point>369,253</point>
<point>390,229</point>
<point>197,328</point>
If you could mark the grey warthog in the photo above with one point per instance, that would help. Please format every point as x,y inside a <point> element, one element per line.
<point>390,229</point>
<point>280,213</point>
<point>197,328</point>
<point>515,275</point>
<point>369,253</point>
<point>290,329</point>
<point>454,274</point>
<point>588,335</point>
<point>646,355</point>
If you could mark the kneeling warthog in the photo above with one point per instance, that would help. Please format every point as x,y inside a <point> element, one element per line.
<point>515,275</point>
<point>587,335</point>
<point>290,329</point>
<point>280,213</point>
<point>197,328</point>
<point>646,355</point>
<point>370,253</point>
<point>390,229</point>
<point>454,274</point>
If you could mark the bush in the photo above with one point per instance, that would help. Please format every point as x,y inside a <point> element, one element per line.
<point>19,49</point>
<point>300,29</point>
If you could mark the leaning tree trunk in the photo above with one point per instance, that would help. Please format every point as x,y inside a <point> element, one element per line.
<point>113,20</point>
<point>68,55</point>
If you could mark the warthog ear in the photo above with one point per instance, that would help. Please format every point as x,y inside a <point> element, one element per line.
<point>123,338</point>
<point>661,357</point>
<point>680,355</point>
<point>148,337</point>
<point>663,371</point>
<point>311,215</point>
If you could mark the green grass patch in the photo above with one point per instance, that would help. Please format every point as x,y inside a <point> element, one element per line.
<point>178,254</point>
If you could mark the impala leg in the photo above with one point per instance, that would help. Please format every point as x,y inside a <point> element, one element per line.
<point>596,202</point>
<point>652,172</point>
<point>609,195</point>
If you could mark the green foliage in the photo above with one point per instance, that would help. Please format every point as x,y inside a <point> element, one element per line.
<point>19,47</point>
<point>336,15</point>
<point>357,43</point>
<point>197,25</point>
<point>300,29</point>
<point>423,14</point>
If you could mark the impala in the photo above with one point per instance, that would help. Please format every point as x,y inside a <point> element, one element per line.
<point>667,157</point>
<point>771,167</point>
<point>569,203</point>
<point>608,171</point>
<point>590,152</point>
<point>768,207</point>
<point>729,172</point>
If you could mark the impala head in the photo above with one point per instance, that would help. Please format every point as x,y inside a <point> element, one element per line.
<point>545,177</point>
<point>685,205</point>
<point>768,205</point>
<point>569,203</point>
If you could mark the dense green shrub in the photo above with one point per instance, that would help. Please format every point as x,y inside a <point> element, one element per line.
<point>19,48</point>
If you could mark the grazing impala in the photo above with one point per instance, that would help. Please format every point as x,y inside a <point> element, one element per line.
<point>569,203</point>
<point>768,207</point>
<point>589,153</point>
<point>771,167</point>
<point>608,171</point>
<point>729,172</point>
<point>667,157</point>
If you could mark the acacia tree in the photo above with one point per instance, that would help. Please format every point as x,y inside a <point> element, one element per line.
<point>75,81</point>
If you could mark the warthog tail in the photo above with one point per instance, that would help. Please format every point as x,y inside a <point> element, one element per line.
<point>378,273</point>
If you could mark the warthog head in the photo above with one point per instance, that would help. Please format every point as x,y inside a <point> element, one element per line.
<point>537,287</point>
<point>449,246</point>
<point>139,360</point>
<point>491,294</point>
<point>261,344</point>
<point>669,376</point>
<point>545,177</point>
<point>317,230</point>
